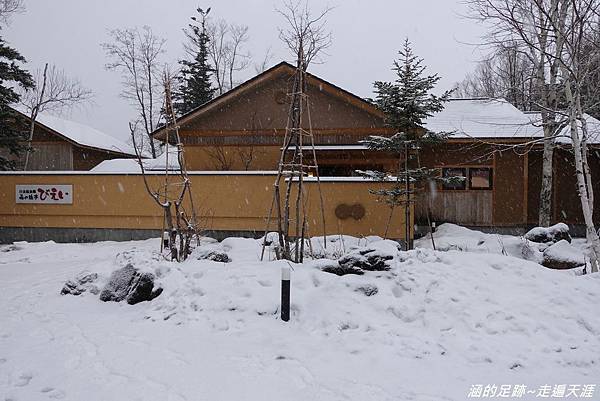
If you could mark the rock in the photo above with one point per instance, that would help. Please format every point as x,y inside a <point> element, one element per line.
<point>553,234</point>
<point>212,252</point>
<point>83,282</point>
<point>336,268</point>
<point>563,255</point>
<point>367,259</point>
<point>130,285</point>
<point>217,256</point>
<point>368,289</point>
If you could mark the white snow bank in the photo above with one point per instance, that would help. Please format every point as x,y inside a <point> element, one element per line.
<point>453,237</point>
<point>437,323</point>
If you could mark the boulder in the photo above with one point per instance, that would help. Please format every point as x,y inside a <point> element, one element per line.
<point>552,234</point>
<point>341,270</point>
<point>212,252</point>
<point>83,282</point>
<point>216,256</point>
<point>563,255</point>
<point>131,285</point>
<point>367,259</point>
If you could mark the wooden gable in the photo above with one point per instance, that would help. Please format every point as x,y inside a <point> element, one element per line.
<point>259,107</point>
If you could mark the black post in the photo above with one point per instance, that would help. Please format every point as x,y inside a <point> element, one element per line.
<point>285,293</point>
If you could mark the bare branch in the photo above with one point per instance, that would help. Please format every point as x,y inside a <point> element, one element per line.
<point>304,32</point>
<point>136,55</point>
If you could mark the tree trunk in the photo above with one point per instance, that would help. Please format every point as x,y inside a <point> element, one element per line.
<point>545,212</point>
<point>582,181</point>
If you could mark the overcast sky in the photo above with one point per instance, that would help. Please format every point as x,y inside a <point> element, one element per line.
<point>366,37</point>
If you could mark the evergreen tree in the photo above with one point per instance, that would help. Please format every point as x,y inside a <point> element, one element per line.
<point>407,103</point>
<point>195,87</point>
<point>12,140</point>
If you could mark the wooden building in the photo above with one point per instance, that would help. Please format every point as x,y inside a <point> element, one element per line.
<point>243,130</point>
<point>60,144</point>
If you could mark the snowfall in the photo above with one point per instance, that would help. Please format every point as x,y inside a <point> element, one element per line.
<point>435,326</point>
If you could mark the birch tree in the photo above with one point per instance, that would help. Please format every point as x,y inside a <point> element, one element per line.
<point>136,54</point>
<point>53,91</point>
<point>527,25</point>
<point>575,66</point>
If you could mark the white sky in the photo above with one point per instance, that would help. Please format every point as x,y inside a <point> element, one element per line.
<point>366,38</point>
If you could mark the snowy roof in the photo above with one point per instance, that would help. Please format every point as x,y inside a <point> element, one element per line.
<point>496,118</point>
<point>482,118</point>
<point>592,123</point>
<point>81,134</point>
<point>132,166</point>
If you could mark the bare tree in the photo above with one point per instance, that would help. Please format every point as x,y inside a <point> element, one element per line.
<point>227,53</point>
<point>10,7</point>
<point>575,66</point>
<point>264,64</point>
<point>174,196</point>
<point>305,33</point>
<point>54,91</point>
<point>527,25</point>
<point>136,54</point>
<point>221,158</point>
<point>506,73</point>
<point>306,37</point>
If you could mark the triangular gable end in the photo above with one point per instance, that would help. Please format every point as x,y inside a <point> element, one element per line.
<point>260,103</point>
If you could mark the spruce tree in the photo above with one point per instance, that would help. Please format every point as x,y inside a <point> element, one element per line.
<point>195,87</point>
<point>406,102</point>
<point>12,140</point>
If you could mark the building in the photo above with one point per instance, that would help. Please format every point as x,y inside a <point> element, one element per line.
<point>60,144</point>
<point>494,145</point>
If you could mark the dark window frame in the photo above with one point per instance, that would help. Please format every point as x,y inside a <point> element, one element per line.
<point>490,186</point>
<point>454,188</point>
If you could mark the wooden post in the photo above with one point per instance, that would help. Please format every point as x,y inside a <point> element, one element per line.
<point>285,293</point>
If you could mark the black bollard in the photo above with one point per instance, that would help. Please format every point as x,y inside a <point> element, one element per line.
<point>285,293</point>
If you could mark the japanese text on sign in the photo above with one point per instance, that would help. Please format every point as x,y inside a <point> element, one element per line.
<point>47,194</point>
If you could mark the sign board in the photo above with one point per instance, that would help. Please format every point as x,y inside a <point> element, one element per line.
<point>45,194</point>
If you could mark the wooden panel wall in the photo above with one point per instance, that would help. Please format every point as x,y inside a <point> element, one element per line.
<point>463,207</point>
<point>51,156</point>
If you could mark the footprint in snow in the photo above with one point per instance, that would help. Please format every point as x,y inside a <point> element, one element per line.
<point>53,393</point>
<point>24,379</point>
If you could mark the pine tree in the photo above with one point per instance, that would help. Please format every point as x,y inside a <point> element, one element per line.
<point>407,103</point>
<point>195,87</point>
<point>12,141</point>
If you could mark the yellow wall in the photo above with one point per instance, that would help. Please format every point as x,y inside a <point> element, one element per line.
<point>225,201</point>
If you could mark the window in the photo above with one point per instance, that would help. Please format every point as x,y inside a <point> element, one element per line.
<point>449,172</point>
<point>480,178</point>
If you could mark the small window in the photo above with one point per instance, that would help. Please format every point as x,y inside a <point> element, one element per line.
<point>449,172</point>
<point>480,178</point>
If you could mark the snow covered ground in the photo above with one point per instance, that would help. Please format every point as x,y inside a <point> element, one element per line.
<point>439,323</point>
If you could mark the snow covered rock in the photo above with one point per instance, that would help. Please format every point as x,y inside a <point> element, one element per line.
<point>562,255</point>
<point>84,281</point>
<point>555,233</point>
<point>366,259</point>
<point>215,256</point>
<point>131,285</point>
<point>332,266</point>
